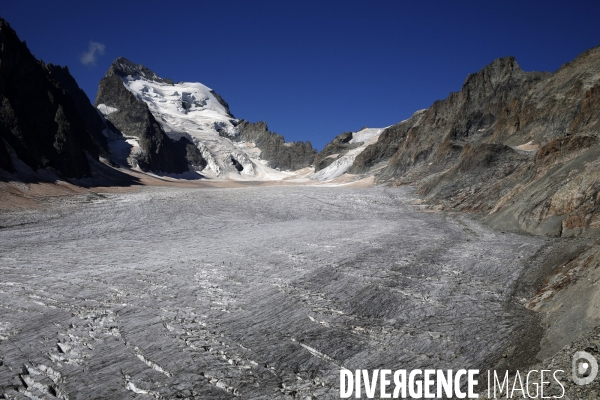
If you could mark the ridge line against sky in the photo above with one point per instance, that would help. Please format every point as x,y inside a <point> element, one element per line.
<point>310,69</point>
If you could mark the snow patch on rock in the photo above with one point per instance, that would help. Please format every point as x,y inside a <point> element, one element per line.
<point>106,110</point>
<point>339,167</point>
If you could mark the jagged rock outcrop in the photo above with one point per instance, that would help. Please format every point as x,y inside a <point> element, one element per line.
<point>274,149</point>
<point>38,119</point>
<point>521,147</point>
<point>333,150</point>
<point>5,161</point>
<point>222,102</point>
<point>477,166</point>
<point>157,152</point>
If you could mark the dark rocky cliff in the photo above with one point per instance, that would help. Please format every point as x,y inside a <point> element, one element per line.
<point>123,68</point>
<point>132,117</point>
<point>93,122</point>
<point>274,149</point>
<point>38,119</point>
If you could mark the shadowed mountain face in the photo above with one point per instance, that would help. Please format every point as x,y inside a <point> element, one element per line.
<point>39,120</point>
<point>92,119</point>
<point>522,147</point>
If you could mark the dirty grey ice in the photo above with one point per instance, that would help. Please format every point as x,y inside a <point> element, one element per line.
<point>256,293</point>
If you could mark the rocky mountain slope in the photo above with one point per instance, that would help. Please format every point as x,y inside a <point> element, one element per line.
<point>153,150</point>
<point>279,153</point>
<point>40,123</point>
<point>379,154</point>
<point>521,147</point>
<point>172,125</point>
<point>338,156</point>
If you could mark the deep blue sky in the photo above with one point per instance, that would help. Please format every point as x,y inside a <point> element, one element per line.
<point>311,69</point>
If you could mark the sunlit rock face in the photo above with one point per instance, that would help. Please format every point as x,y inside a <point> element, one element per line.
<point>274,149</point>
<point>520,146</point>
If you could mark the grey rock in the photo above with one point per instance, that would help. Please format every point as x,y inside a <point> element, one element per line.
<point>478,165</point>
<point>338,147</point>
<point>239,167</point>
<point>222,101</point>
<point>279,153</point>
<point>123,68</point>
<point>386,146</point>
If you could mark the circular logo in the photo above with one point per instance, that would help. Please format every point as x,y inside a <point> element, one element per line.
<point>585,368</point>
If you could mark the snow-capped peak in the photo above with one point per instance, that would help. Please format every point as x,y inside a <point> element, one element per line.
<point>194,111</point>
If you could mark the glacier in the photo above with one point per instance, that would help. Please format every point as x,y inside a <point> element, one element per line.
<point>249,292</point>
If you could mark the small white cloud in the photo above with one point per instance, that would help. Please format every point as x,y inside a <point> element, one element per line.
<point>90,56</point>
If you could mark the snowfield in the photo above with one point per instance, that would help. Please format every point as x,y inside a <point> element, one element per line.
<point>256,293</point>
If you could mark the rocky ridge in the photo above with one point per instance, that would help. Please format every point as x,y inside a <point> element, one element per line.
<point>380,153</point>
<point>520,147</point>
<point>94,123</point>
<point>337,157</point>
<point>274,149</point>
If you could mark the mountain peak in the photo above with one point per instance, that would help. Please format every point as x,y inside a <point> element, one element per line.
<point>122,67</point>
<point>498,71</point>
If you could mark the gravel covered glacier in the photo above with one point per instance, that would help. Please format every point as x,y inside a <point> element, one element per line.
<point>256,293</point>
